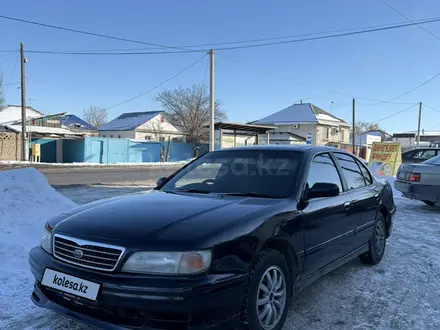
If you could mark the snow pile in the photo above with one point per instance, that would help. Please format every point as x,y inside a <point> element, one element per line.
<point>26,202</point>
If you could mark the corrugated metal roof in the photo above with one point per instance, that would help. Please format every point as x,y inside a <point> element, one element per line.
<point>41,129</point>
<point>72,120</point>
<point>129,121</point>
<point>300,113</point>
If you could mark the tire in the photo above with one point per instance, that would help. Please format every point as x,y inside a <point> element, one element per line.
<point>429,203</point>
<point>268,262</point>
<point>376,243</point>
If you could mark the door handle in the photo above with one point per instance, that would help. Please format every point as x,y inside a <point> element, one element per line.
<point>347,205</point>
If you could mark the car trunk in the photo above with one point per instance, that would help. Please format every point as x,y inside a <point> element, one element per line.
<point>425,174</point>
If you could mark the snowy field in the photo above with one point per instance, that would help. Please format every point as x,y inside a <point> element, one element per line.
<point>402,292</point>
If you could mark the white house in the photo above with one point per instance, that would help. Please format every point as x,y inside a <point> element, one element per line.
<point>150,125</point>
<point>307,119</point>
<point>12,113</point>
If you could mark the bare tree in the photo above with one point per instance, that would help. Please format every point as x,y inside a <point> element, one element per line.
<point>95,116</point>
<point>2,97</point>
<point>362,127</point>
<point>188,110</point>
<point>155,129</point>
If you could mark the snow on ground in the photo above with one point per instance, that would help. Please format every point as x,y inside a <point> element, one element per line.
<point>400,293</point>
<point>26,201</point>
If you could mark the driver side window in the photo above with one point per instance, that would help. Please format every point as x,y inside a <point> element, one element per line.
<point>323,169</point>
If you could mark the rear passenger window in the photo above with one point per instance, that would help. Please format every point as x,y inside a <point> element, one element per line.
<point>323,169</point>
<point>365,173</point>
<point>351,171</point>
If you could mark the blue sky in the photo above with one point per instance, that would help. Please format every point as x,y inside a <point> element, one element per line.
<point>379,65</point>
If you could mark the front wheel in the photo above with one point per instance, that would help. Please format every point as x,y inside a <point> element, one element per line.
<point>376,243</point>
<point>269,293</point>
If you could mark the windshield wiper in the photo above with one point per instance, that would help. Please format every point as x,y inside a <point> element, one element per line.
<point>195,191</point>
<point>251,194</point>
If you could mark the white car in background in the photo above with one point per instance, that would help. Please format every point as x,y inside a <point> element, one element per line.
<point>420,181</point>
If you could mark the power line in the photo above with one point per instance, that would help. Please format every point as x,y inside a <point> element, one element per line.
<point>11,74</point>
<point>212,45</point>
<point>397,26</point>
<point>408,92</point>
<point>427,106</point>
<point>85,32</point>
<point>157,86</point>
<point>305,84</point>
<point>409,19</point>
<point>335,35</point>
<point>394,114</point>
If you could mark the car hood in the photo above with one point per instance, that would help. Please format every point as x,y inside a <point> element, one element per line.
<point>158,219</point>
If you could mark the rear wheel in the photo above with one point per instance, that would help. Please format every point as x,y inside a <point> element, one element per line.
<point>376,243</point>
<point>429,203</point>
<point>269,293</point>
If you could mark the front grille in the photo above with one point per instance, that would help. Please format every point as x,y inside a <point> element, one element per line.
<point>87,254</point>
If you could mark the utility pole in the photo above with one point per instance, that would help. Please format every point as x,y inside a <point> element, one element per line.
<point>419,123</point>
<point>212,103</point>
<point>354,126</point>
<point>24,151</point>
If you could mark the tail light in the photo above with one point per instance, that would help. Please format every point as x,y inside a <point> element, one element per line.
<point>414,177</point>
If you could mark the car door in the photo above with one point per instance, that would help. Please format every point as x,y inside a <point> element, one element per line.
<point>327,226</point>
<point>365,196</point>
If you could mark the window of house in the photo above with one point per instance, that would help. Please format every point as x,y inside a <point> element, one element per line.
<point>119,136</point>
<point>147,137</point>
<point>176,139</point>
<point>103,135</point>
<point>111,136</point>
<point>323,169</point>
<point>326,133</point>
<point>351,171</point>
<point>162,139</point>
<point>342,134</point>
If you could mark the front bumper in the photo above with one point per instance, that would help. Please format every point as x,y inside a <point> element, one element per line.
<point>143,301</point>
<point>418,191</point>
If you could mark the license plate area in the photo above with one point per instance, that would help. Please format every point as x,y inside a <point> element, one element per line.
<point>70,285</point>
<point>401,176</point>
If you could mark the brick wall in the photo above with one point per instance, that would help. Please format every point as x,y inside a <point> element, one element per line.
<point>10,146</point>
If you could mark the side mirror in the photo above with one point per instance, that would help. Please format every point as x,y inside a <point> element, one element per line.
<point>323,189</point>
<point>161,181</point>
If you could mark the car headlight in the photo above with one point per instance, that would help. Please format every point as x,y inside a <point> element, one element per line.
<point>46,239</point>
<point>168,263</point>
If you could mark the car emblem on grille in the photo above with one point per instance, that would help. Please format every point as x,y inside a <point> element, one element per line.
<point>78,254</point>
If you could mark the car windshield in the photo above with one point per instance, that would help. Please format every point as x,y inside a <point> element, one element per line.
<point>433,161</point>
<point>253,173</point>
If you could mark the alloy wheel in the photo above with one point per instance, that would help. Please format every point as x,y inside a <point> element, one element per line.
<point>271,298</point>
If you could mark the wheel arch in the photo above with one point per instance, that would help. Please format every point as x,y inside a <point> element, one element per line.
<point>283,246</point>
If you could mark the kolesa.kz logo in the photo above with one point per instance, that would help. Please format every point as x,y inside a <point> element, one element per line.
<point>70,284</point>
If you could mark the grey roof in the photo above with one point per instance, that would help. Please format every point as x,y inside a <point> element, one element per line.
<point>129,121</point>
<point>301,114</point>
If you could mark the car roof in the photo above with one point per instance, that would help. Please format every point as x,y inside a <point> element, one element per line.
<point>421,148</point>
<point>285,147</point>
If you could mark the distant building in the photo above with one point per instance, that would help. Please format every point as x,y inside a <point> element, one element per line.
<point>12,113</point>
<point>78,125</point>
<point>308,119</point>
<point>150,125</point>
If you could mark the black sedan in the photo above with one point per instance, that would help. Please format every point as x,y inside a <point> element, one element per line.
<point>225,242</point>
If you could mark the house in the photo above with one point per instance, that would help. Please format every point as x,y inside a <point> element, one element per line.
<point>308,119</point>
<point>12,113</point>
<point>45,131</point>
<point>78,125</point>
<point>150,125</point>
